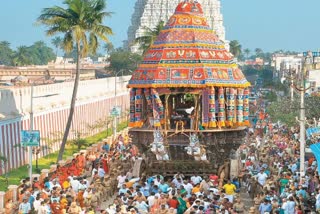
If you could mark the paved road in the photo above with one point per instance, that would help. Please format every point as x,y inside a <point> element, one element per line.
<point>245,197</point>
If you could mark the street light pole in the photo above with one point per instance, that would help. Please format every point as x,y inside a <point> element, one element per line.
<point>116,103</point>
<point>31,129</point>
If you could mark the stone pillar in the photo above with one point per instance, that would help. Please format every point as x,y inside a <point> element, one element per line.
<point>234,168</point>
<point>2,202</point>
<point>14,189</point>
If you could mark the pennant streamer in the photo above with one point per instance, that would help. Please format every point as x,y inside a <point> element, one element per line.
<point>221,108</point>
<point>158,109</point>
<point>212,108</point>
<point>246,107</point>
<point>132,107</point>
<point>149,100</point>
<point>239,107</point>
<point>205,108</point>
<point>230,93</point>
<point>138,110</point>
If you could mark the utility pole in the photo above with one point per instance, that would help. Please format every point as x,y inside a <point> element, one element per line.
<point>302,122</point>
<point>290,76</point>
<point>308,60</point>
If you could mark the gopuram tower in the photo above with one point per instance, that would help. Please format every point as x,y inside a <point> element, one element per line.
<point>148,13</point>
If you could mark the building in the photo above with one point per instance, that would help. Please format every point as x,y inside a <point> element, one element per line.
<point>286,65</point>
<point>282,63</point>
<point>148,13</point>
<point>313,81</point>
<point>254,62</point>
<point>51,103</point>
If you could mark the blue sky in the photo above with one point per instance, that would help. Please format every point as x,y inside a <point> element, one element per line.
<point>267,24</point>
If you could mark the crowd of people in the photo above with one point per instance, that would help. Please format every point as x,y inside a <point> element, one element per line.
<point>269,166</point>
<point>178,194</point>
<point>78,187</point>
<point>271,163</point>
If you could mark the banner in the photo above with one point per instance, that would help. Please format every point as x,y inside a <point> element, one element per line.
<point>132,107</point>
<point>312,131</point>
<point>315,148</point>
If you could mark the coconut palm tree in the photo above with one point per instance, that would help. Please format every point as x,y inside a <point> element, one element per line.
<point>81,24</point>
<point>22,56</point>
<point>258,52</point>
<point>149,37</point>
<point>108,47</point>
<point>235,48</point>
<point>57,43</point>
<point>247,52</point>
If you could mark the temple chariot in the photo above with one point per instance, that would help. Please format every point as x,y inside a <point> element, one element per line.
<point>189,101</point>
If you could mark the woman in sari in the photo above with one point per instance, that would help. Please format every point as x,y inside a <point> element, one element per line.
<point>104,161</point>
<point>182,207</point>
<point>73,170</point>
<point>283,183</point>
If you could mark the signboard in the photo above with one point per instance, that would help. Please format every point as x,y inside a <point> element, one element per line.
<point>116,111</point>
<point>314,54</point>
<point>30,138</point>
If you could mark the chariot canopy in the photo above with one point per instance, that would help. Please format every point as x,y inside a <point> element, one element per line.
<point>188,79</point>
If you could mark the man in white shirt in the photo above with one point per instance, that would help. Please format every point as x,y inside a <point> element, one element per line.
<point>195,179</point>
<point>75,184</point>
<point>101,172</point>
<point>121,179</point>
<point>188,187</point>
<point>177,182</point>
<point>151,199</point>
<point>262,177</point>
<point>54,184</point>
<point>82,185</point>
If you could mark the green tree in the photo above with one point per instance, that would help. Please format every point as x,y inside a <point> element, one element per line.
<point>286,110</point>
<point>37,54</point>
<point>150,35</point>
<point>247,52</point>
<point>81,23</point>
<point>22,56</point>
<point>6,53</point>
<point>258,52</point>
<point>57,43</point>
<point>108,47</point>
<point>123,60</point>
<point>235,48</point>
<point>40,53</point>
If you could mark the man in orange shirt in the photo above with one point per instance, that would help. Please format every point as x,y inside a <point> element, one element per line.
<point>196,189</point>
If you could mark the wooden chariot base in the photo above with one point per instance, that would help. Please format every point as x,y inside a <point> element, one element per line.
<point>220,145</point>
